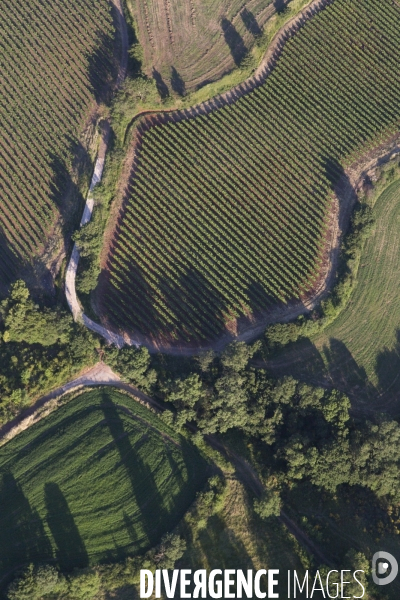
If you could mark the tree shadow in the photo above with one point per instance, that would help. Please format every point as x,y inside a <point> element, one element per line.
<point>22,535</point>
<point>144,319</point>
<point>144,487</point>
<point>102,69</point>
<point>177,83</point>
<point>222,547</point>
<point>280,6</point>
<point>343,371</point>
<point>199,309</point>
<point>259,298</point>
<point>161,86</point>
<point>251,23</point>
<point>234,40</point>
<point>387,368</point>
<point>10,263</point>
<point>333,170</point>
<point>157,513</point>
<point>71,551</point>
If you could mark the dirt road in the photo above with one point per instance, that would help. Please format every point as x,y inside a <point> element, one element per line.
<point>70,277</point>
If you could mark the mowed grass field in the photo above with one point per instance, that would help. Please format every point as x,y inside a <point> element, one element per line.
<point>57,61</point>
<point>360,351</point>
<point>100,477</point>
<point>189,42</point>
<point>230,214</point>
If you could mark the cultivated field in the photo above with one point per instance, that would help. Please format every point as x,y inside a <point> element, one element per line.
<point>99,478</point>
<point>360,351</point>
<point>187,43</point>
<point>56,60</point>
<point>230,213</point>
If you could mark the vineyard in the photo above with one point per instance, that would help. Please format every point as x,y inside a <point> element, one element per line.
<point>55,60</point>
<point>227,214</point>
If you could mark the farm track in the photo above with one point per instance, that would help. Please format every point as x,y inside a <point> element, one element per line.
<point>344,200</point>
<point>102,375</point>
<point>70,277</point>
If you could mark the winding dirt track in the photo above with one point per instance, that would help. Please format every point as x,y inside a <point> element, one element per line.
<point>102,375</point>
<point>70,277</point>
<point>345,196</point>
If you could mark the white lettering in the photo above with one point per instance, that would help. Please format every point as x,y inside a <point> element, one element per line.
<point>244,585</point>
<point>200,580</point>
<point>228,583</point>
<point>315,589</point>
<point>185,582</point>
<point>359,583</point>
<point>145,573</point>
<point>170,587</point>
<point>215,587</point>
<point>334,584</point>
<point>296,582</point>
<point>257,591</point>
<point>272,582</point>
<point>158,584</point>
<point>343,582</point>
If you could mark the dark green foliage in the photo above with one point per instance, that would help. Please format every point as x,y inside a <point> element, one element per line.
<point>36,583</point>
<point>134,365</point>
<point>89,241</point>
<point>48,583</point>
<point>24,321</point>
<point>40,348</point>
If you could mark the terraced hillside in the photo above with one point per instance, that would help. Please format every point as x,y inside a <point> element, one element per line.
<point>97,479</point>
<point>231,214</point>
<point>55,60</point>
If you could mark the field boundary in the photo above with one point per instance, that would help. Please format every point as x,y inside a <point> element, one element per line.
<point>344,198</point>
<point>98,376</point>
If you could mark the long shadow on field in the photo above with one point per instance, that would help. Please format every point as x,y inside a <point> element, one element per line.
<point>10,262</point>
<point>22,535</point>
<point>250,23</point>
<point>71,551</point>
<point>64,193</point>
<point>177,83</point>
<point>102,68</point>
<point>144,487</point>
<point>161,86</point>
<point>234,41</point>
<point>259,299</point>
<point>222,547</point>
<point>388,371</point>
<point>197,305</point>
<point>334,367</point>
<point>344,372</point>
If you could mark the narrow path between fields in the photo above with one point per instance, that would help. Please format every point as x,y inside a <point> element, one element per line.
<point>102,375</point>
<point>344,200</point>
<point>70,277</point>
<point>263,70</point>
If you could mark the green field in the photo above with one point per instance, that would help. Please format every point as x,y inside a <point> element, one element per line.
<point>99,478</point>
<point>227,214</point>
<point>360,351</point>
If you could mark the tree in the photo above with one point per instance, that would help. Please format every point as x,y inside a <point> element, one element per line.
<point>24,321</point>
<point>237,355</point>
<point>270,504</point>
<point>36,583</point>
<point>134,365</point>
